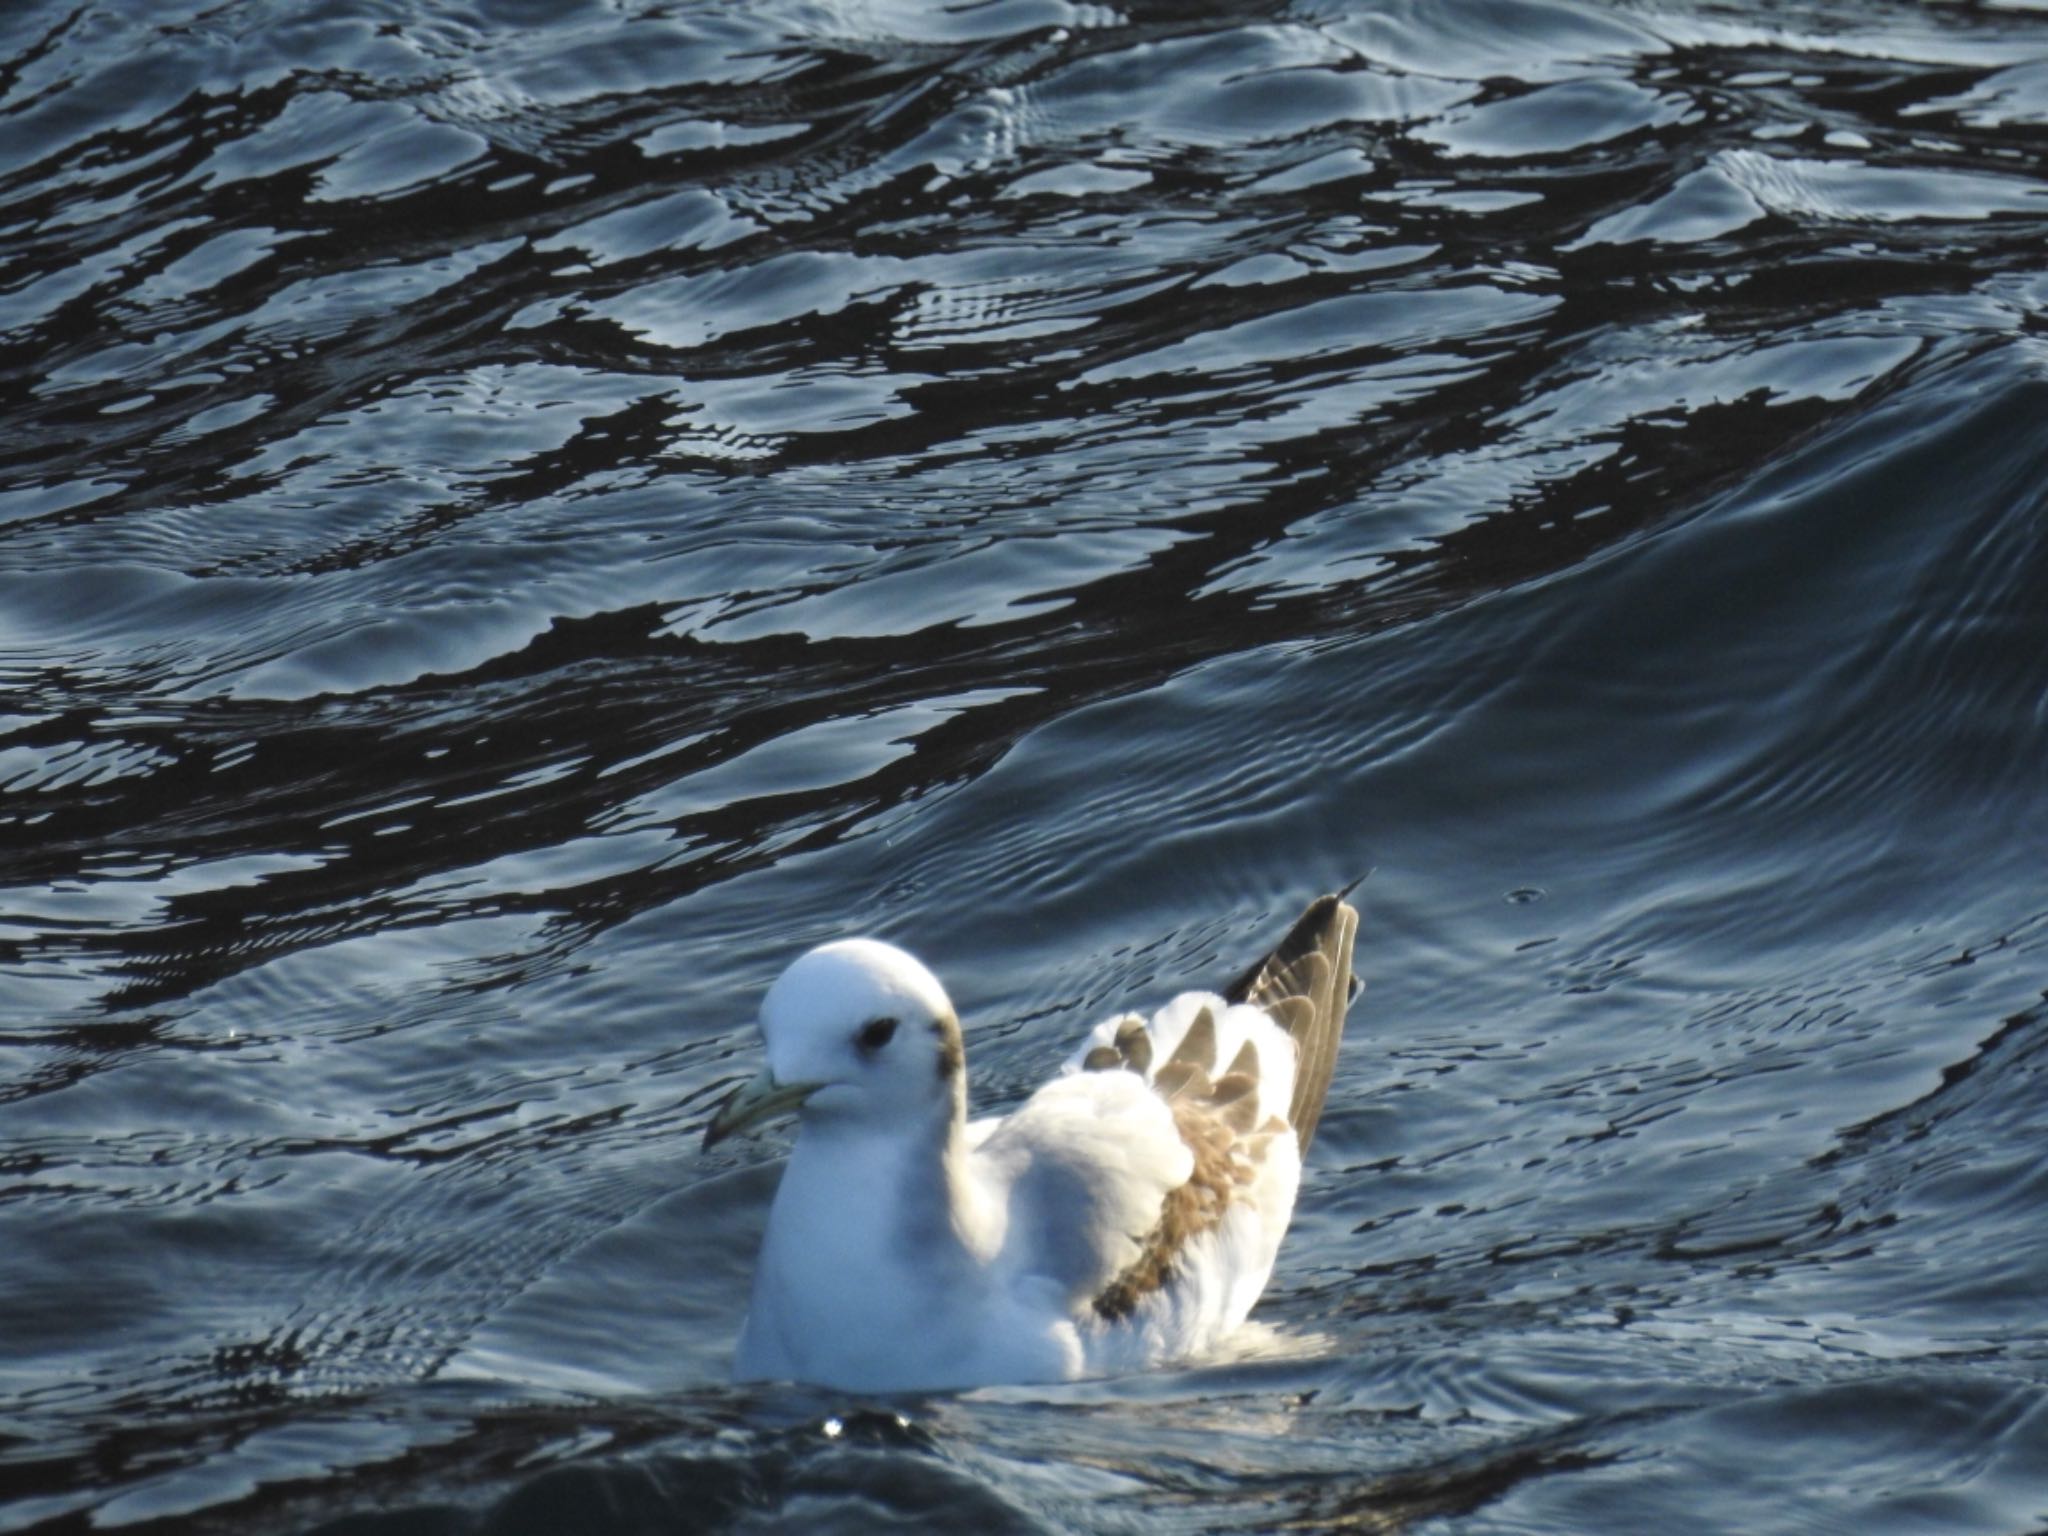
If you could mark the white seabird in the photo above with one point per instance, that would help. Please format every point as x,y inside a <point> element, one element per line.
<point>1125,1216</point>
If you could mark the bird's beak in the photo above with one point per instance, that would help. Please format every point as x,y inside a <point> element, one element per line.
<point>760,1098</point>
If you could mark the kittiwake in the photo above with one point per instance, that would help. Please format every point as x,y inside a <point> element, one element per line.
<point>1125,1216</point>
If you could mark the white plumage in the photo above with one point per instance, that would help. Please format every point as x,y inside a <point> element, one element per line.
<point>1126,1215</point>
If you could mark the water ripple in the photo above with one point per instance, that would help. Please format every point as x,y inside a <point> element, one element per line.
<point>514,523</point>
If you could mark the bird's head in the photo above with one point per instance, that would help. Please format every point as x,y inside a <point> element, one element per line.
<point>857,1032</point>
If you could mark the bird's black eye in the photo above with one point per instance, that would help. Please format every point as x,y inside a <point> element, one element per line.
<point>874,1034</point>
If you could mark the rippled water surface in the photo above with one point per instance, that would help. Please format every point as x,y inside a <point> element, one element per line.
<point>516,518</point>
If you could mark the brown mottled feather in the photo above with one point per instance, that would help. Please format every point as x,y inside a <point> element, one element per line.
<point>1188,1211</point>
<point>1181,1079</point>
<point>1236,1101</point>
<point>1198,1045</point>
<point>1231,1087</point>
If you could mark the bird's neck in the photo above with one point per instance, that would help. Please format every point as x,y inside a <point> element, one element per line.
<point>874,1270</point>
<point>877,1186</point>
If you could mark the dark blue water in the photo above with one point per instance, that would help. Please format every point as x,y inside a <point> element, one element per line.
<point>517,518</point>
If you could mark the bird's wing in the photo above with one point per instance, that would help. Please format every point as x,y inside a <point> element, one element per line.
<point>1225,1074</point>
<point>1082,1170</point>
<point>1160,1129</point>
<point>1236,1071</point>
<point>1108,1176</point>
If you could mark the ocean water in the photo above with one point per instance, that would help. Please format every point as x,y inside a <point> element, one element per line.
<point>518,518</point>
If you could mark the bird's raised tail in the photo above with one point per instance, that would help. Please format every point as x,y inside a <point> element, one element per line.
<point>1306,985</point>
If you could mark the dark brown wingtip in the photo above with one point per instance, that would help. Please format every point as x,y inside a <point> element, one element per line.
<point>1306,984</point>
<point>1134,1044</point>
<point>1198,1045</point>
<point>1302,938</point>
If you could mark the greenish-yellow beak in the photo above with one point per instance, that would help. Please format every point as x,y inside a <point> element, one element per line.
<point>760,1098</point>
